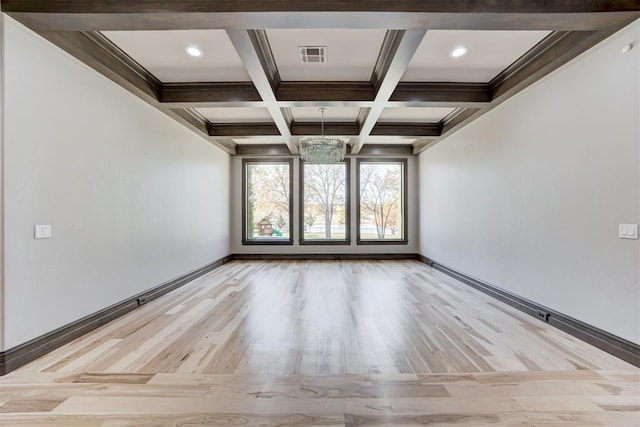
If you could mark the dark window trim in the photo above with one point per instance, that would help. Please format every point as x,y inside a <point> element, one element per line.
<point>245,240</point>
<point>347,214</point>
<point>404,240</point>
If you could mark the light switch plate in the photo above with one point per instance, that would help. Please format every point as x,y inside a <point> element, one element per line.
<point>42,231</point>
<point>628,231</point>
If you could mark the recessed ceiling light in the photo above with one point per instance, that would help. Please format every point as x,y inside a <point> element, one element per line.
<point>459,51</point>
<point>627,47</point>
<point>193,51</point>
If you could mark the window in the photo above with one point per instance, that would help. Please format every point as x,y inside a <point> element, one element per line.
<point>267,202</point>
<point>324,209</point>
<point>381,201</point>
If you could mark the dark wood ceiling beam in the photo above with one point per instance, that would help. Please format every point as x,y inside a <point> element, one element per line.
<point>70,25</point>
<point>406,129</point>
<point>332,20</point>
<point>268,62</point>
<point>263,150</point>
<point>236,130</point>
<point>244,94</point>
<point>441,94</point>
<point>415,6</point>
<point>288,115</point>
<point>330,128</point>
<point>362,115</point>
<point>191,119</point>
<point>387,150</point>
<point>328,104</point>
<point>244,43</point>
<point>209,94</point>
<point>461,119</point>
<point>200,126</point>
<point>392,39</point>
<point>554,51</point>
<point>367,150</point>
<point>82,15</point>
<point>102,55</point>
<point>421,144</point>
<point>550,54</point>
<point>326,91</point>
<point>227,142</point>
<point>391,129</point>
<point>401,47</point>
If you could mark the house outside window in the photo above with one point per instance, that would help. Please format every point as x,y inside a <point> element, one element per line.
<point>267,213</point>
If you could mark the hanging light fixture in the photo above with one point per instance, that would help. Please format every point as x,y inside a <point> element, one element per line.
<point>322,149</point>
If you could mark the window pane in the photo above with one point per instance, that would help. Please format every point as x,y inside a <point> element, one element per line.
<point>267,201</point>
<point>381,201</point>
<point>325,202</point>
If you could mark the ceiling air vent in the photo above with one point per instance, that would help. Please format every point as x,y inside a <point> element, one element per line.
<point>313,54</point>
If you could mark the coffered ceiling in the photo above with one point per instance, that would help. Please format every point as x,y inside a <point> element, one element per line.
<point>162,53</point>
<point>490,52</point>
<point>351,54</point>
<point>389,79</point>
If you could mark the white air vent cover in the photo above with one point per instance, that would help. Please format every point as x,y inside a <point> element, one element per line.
<point>313,54</point>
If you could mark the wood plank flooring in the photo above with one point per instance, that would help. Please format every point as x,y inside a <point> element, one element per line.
<point>313,343</point>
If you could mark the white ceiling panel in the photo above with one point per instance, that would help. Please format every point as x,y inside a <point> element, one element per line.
<point>261,140</point>
<point>392,140</point>
<point>351,54</point>
<point>163,54</point>
<point>489,53</point>
<point>235,115</point>
<point>336,114</point>
<point>414,115</point>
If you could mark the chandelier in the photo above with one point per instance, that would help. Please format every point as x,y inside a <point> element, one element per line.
<point>322,149</point>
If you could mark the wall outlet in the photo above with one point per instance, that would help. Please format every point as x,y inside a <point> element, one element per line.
<point>543,315</point>
<point>628,231</point>
<point>42,231</point>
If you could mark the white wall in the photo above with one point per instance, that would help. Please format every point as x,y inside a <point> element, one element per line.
<point>236,219</point>
<point>1,182</point>
<point>529,197</point>
<point>134,198</point>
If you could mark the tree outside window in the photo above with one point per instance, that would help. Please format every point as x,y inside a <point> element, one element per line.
<point>381,200</point>
<point>324,198</point>
<point>267,190</point>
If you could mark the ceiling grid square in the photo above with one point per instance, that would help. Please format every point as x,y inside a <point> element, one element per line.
<point>233,73</point>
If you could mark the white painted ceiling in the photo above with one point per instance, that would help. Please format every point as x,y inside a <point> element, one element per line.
<point>389,140</point>
<point>334,114</point>
<point>414,115</point>
<point>490,52</point>
<point>163,54</point>
<point>351,54</point>
<point>260,140</point>
<point>235,115</point>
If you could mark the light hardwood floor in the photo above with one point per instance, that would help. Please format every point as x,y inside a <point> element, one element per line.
<point>380,343</point>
